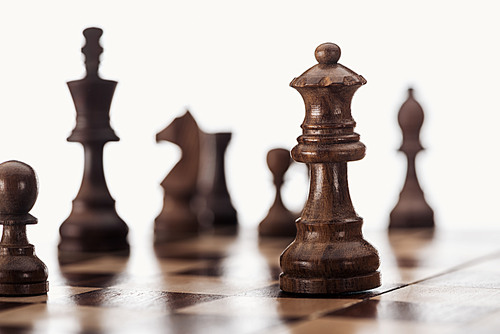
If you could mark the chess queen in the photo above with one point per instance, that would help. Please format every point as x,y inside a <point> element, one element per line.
<point>329,254</point>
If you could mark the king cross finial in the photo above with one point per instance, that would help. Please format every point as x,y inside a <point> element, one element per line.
<point>92,50</point>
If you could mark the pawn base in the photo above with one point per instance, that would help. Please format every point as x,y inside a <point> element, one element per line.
<point>28,289</point>
<point>412,214</point>
<point>412,222</point>
<point>22,273</point>
<point>279,222</point>
<point>329,285</point>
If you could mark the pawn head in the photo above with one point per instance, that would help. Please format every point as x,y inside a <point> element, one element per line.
<point>278,160</point>
<point>327,53</point>
<point>18,188</point>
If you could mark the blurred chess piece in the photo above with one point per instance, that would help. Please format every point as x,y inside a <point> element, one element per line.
<point>22,273</point>
<point>177,219</point>
<point>279,222</point>
<point>93,225</point>
<point>411,211</point>
<point>213,203</point>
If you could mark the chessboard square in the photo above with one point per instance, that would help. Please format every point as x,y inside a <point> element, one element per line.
<point>439,249</point>
<point>104,264</point>
<point>95,280</point>
<point>384,288</point>
<point>27,299</point>
<point>467,278</point>
<point>243,261</point>
<point>180,254</point>
<point>203,248</point>
<point>242,270</point>
<point>214,324</point>
<point>413,312</point>
<point>55,294</point>
<point>7,306</point>
<point>488,324</point>
<point>394,275</point>
<point>283,308</point>
<point>444,295</point>
<point>191,284</point>
<point>138,266</point>
<point>16,329</point>
<point>141,300</point>
<point>271,291</point>
<point>489,264</point>
<point>85,277</point>
<point>408,262</point>
<point>350,325</point>
<point>168,266</point>
<point>212,270</point>
<point>62,318</point>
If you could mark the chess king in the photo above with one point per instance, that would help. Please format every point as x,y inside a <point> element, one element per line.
<point>93,225</point>
<point>329,254</point>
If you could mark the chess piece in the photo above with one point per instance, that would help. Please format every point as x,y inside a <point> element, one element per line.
<point>22,273</point>
<point>177,219</point>
<point>213,202</point>
<point>279,222</point>
<point>93,225</point>
<point>411,211</point>
<point>329,254</point>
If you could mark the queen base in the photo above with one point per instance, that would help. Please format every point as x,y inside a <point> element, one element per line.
<point>329,258</point>
<point>412,213</point>
<point>320,285</point>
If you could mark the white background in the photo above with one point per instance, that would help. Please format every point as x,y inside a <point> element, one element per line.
<point>230,63</point>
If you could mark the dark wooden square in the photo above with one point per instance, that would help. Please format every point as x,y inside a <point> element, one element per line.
<point>413,312</point>
<point>143,300</point>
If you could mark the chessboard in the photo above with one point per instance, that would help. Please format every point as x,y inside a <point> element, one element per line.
<point>432,282</point>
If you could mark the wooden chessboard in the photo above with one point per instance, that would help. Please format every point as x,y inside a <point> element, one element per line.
<point>432,283</point>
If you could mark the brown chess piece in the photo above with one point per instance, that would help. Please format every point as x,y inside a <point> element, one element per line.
<point>279,222</point>
<point>329,254</point>
<point>411,211</point>
<point>93,225</point>
<point>22,273</point>
<point>177,219</point>
<point>213,203</point>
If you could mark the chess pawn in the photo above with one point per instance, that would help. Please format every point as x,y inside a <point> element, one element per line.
<point>279,222</point>
<point>93,225</point>
<point>177,219</point>
<point>22,273</point>
<point>329,254</point>
<point>213,203</point>
<point>411,211</point>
